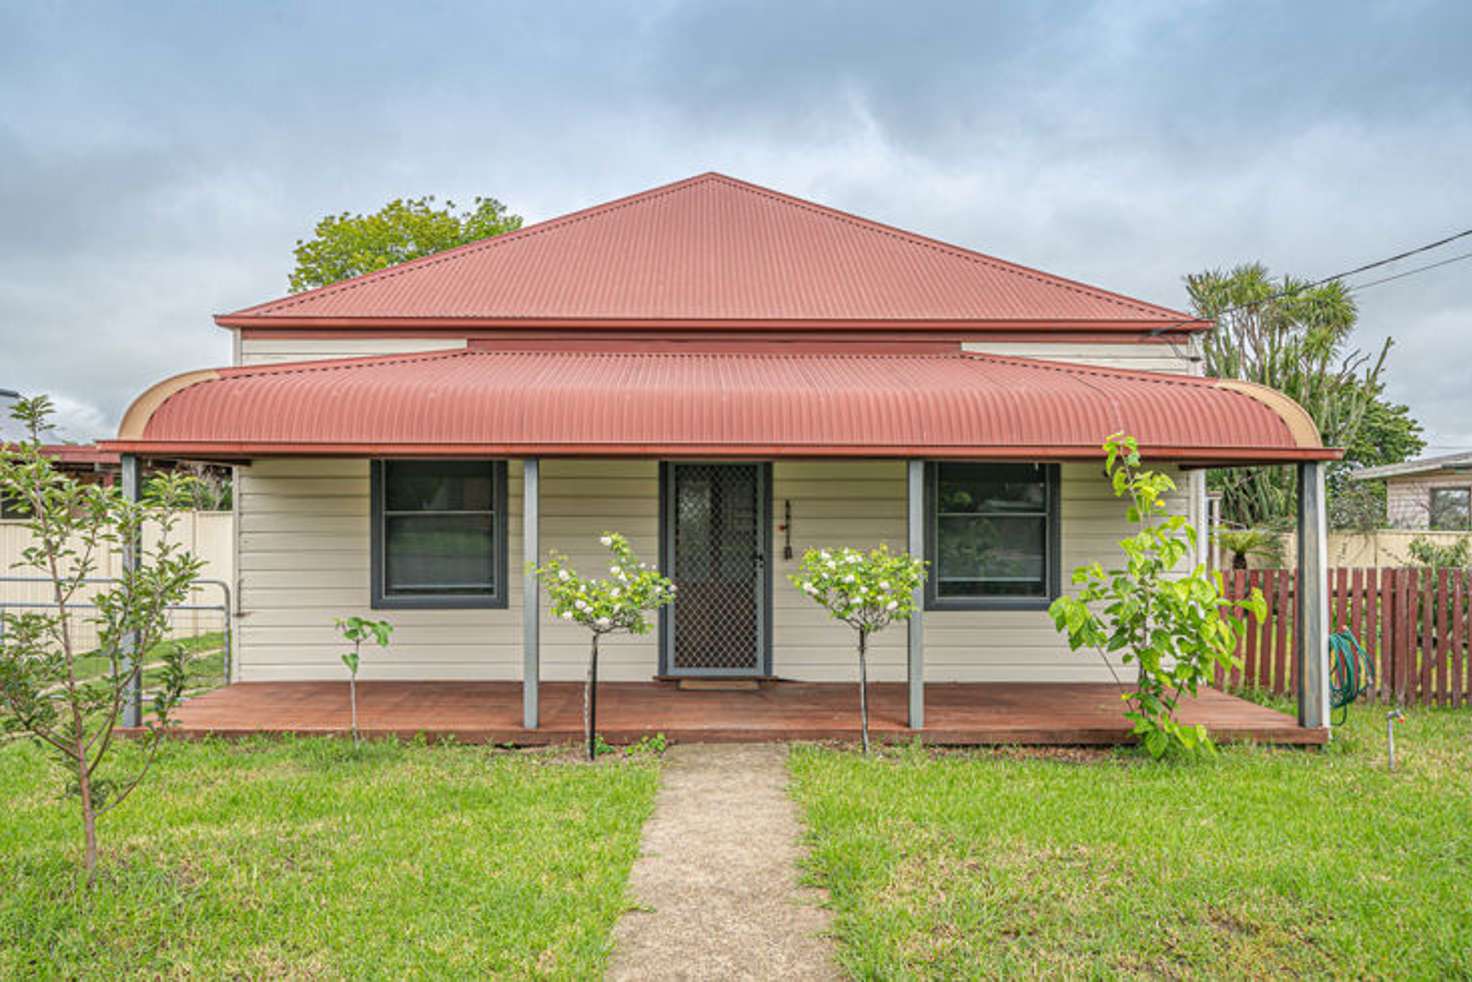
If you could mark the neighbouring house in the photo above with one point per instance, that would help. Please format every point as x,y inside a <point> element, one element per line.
<point>1432,493</point>
<point>728,375</point>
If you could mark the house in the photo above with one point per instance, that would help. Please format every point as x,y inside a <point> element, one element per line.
<point>728,375</point>
<point>1432,493</point>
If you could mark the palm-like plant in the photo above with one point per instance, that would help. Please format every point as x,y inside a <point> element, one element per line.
<point>1243,543</point>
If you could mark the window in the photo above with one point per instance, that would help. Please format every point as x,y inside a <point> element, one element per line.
<point>992,535</point>
<point>439,533</point>
<point>1451,509</point>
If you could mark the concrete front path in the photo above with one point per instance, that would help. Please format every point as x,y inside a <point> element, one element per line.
<point>717,882</point>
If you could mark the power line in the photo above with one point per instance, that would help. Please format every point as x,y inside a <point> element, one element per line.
<point>1339,276</point>
<point>1411,272</point>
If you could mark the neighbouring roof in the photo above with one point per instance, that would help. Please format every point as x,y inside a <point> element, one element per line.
<point>711,251</point>
<point>487,400</point>
<point>76,455</point>
<point>1451,462</point>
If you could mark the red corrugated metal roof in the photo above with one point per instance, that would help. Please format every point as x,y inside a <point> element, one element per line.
<point>500,402</point>
<point>710,250</point>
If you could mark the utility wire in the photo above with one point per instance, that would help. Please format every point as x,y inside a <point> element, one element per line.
<point>1411,272</point>
<point>1339,276</point>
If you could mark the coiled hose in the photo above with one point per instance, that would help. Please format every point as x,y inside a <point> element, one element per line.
<point>1351,673</point>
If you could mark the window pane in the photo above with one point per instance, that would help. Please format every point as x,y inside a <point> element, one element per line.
<point>440,554</point>
<point>991,488</point>
<point>991,557</point>
<point>1450,508</point>
<point>439,485</point>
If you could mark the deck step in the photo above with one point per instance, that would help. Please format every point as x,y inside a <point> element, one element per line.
<point>721,685</point>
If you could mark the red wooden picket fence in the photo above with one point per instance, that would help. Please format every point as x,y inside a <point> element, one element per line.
<point>1415,625</point>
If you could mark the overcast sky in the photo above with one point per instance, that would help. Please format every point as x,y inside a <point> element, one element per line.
<point>158,161</point>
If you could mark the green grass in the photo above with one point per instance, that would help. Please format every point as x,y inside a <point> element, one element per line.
<point>206,663</point>
<point>1256,863</point>
<point>304,858</point>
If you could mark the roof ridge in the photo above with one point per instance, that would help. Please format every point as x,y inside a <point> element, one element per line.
<point>436,258</point>
<point>940,245</point>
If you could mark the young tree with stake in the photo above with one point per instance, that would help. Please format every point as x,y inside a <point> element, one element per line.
<point>868,591</point>
<point>74,529</point>
<point>621,602</point>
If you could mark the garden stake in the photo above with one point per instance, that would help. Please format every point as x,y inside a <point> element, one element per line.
<point>1391,718</point>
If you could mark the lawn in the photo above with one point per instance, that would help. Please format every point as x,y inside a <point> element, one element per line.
<point>305,858</point>
<point>1256,863</point>
<point>206,664</point>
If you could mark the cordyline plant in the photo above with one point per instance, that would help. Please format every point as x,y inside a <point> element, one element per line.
<point>1177,626</point>
<point>621,602</point>
<point>356,630</point>
<point>868,591</point>
<point>44,692</point>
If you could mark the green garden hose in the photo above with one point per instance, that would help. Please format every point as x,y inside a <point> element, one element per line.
<point>1351,672</point>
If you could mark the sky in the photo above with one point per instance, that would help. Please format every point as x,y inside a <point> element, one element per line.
<point>158,161</point>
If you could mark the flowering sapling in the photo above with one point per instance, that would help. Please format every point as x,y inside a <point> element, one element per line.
<point>357,630</point>
<point>621,602</point>
<point>868,591</point>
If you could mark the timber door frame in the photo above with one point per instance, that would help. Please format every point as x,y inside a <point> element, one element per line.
<point>666,565</point>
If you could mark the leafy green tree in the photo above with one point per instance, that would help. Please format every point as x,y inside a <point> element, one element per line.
<point>1294,336</point>
<point>74,528</point>
<point>357,630</point>
<point>1177,626</point>
<point>1387,435</point>
<point>620,602</point>
<point>868,591</point>
<point>348,245</point>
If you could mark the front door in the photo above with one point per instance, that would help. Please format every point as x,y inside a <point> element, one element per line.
<point>715,551</point>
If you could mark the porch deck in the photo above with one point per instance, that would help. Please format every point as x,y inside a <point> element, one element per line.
<point>490,712</point>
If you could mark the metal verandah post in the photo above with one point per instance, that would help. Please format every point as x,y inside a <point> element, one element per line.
<point>1313,598</point>
<point>531,601</point>
<point>915,629</point>
<point>132,490</point>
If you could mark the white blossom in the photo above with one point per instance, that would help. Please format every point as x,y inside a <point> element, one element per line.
<point>606,540</point>
<point>891,605</point>
<point>567,615</point>
<point>564,575</point>
<point>603,622</point>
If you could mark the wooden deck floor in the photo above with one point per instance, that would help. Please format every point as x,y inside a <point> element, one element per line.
<point>958,714</point>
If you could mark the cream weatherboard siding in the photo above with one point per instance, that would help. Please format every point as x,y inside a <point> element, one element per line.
<point>304,560</point>
<point>273,351</point>
<point>1156,356</point>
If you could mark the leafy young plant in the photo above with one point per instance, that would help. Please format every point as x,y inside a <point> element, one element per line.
<point>1176,626</point>
<point>74,528</point>
<point>868,591</point>
<point>620,602</point>
<point>358,630</point>
<point>1432,555</point>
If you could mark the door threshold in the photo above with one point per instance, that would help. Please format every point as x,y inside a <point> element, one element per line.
<point>719,685</point>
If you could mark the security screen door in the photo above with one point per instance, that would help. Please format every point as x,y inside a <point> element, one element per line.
<point>714,534</point>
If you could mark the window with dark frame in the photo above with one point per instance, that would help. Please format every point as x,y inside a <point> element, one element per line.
<point>1451,509</point>
<point>992,535</point>
<point>439,533</point>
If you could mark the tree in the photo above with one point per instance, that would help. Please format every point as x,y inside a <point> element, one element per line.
<point>1295,337</point>
<point>348,245</point>
<point>1244,543</point>
<point>44,692</point>
<point>620,602</point>
<point>357,630</point>
<point>1176,626</point>
<point>1388,434</point>
<point>868,591</point>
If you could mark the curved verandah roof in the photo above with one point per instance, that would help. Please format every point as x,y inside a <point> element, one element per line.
<point>488,401</point>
